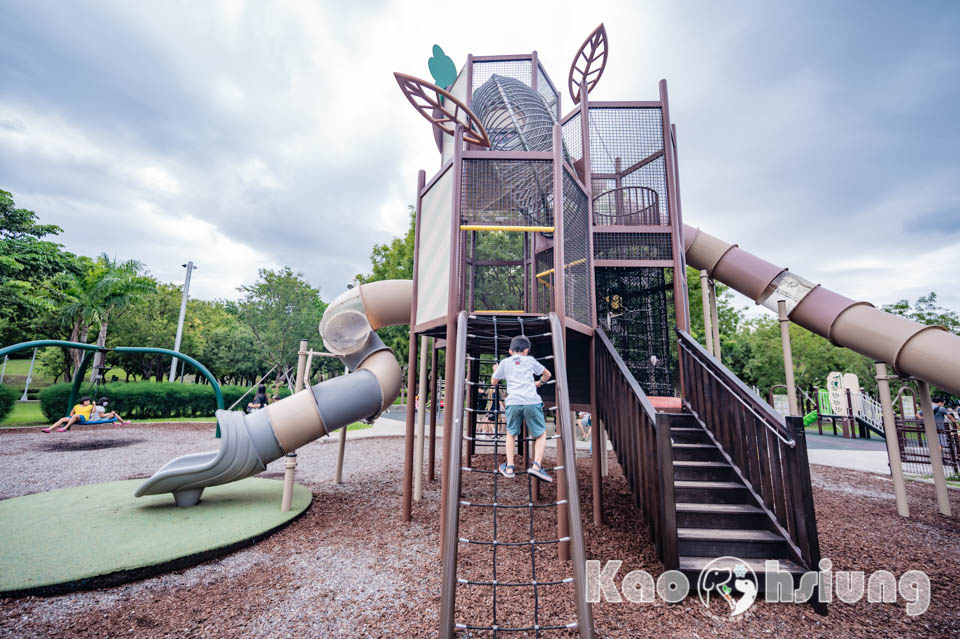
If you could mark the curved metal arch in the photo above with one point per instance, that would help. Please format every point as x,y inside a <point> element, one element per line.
<point>593,52</point>
<point>92,348</point>
<point>425,98</point>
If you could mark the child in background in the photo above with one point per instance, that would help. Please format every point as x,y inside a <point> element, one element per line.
<point>523,404</point>
<point>100,412</point>
<point>80,413</point>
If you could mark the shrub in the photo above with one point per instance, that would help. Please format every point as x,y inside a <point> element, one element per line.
<point>145,400</point>
<point>7,397</point>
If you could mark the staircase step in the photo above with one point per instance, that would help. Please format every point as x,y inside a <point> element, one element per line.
<point>691,470</point>
<point>711,492</point>
<point>705,515</point>
<point>716,542</point>
<point>696,452</point>
<point>692,566</point>
<point>690,436</point>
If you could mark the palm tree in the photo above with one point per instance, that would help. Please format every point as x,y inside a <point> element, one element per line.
<point>104,289</point>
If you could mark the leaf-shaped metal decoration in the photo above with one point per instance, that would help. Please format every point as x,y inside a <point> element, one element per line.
<point>425,98</point>
<point>589,63</point>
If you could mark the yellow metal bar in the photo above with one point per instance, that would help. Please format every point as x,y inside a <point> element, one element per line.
<point>499,312</point>
<point>573,263</point>
<point>516,229</point>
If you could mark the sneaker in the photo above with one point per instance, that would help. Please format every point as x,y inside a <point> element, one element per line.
<point>537,471</point>
<point>507,471</point>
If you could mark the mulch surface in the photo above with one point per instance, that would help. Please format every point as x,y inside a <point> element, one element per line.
<point>349,568</point>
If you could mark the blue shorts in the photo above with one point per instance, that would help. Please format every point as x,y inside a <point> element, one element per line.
<point>532,414</point>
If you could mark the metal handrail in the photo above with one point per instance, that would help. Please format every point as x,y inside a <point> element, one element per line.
<point>627,375</point>
<point>760,409</point>
<point>578,552</point>
<point>448,589</point>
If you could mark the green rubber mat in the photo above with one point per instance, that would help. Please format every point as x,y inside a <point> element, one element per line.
<point>100,534</point>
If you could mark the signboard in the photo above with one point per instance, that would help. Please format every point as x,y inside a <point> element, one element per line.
<point>838,399</point>
<point>852,383</point>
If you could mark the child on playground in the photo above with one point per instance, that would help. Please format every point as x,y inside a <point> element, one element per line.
<point>80,413</point>
<point>100,412</point>
<point>523,404</point>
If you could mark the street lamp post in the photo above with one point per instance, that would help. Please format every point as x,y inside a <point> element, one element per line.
<point>183,310</point>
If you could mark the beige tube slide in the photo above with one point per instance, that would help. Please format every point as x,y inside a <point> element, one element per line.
<point>930,353</point>
<point>250,442</point>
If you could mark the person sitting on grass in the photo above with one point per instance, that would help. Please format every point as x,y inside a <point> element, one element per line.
<point>100,412</point>
<point>79,413</point>
<point>523,404</point>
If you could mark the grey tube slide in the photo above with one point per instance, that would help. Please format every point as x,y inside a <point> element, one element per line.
<point>250,442</point>
<point>930,353</point>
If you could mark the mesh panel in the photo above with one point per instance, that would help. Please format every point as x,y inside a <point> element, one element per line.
<point>550,97</point>
<point>507,192</point>
<point>627,205</point>
<point>544,262</point>
<point>633,306</point>
<point>576,246</point>
<point>573,139</point>
<point>517,69</point>
<point>632,246</point>
<point>620,137</point>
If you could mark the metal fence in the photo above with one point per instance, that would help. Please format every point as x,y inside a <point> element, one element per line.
<point>915,448</point>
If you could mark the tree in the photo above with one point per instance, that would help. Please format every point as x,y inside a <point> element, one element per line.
<point>926,311</point>
<point>281,308</point>
<point>28,263</point>
<point>104,288</point>
<point>394,261</point>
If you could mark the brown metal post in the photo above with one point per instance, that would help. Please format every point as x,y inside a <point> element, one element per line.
<point>788,358</point>
<point>560,308</point>
<point>406,502</point>
<point>849,424</point>
<point>598,451</point>
<point>453,299</point>
<point>588,184</point>
<point>676,235</point>
<point>715,319</point>
<point>434,407</point>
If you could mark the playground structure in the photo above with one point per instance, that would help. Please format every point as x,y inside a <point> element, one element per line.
<point>569,229</point>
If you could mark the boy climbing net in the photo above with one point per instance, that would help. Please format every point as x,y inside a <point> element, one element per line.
<point>523,404</point>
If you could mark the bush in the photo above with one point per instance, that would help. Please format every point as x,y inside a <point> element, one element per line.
<point>7,397</point>
<point>145,400</point>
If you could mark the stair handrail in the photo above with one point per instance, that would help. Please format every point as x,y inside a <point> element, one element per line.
<point>448,588</point>
<point>762,410</point>
<point>577,550</point>
<point>774,468</point>
<point>641,438</point>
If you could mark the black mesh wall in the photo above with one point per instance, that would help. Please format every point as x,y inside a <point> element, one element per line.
<point>521,70</point>
<point>544,262</point>
<point>495,279</point>
<point>576,252</point>
<point>632,246</point>
<point>572,137</point>
<point>550,97</point>
<point>634,309</point>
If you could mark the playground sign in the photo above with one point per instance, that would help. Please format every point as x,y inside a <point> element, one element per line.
<point>838,404</point>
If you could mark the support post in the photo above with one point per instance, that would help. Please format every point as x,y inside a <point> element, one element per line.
<point>33,359</point>
<point>604,463</point>
<point>3,370</point>
<point>301,365</point>
<point>933,443</point>
<point>788,358</point>
<point>893,446</point>
<point>421,420</point>
<point>288,470</point>
<point>341,450</point>
<point>714,318</point>
<point>434,406</point>
<point>707,310</point>
<point>596,465</point>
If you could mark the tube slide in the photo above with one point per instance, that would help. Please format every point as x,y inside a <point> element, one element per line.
<point>250,442</point>
<point>930,353</point>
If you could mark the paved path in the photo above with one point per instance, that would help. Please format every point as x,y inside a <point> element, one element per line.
<point>869,455</point>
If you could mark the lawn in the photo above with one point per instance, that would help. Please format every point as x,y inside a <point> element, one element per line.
<point>29,414</point>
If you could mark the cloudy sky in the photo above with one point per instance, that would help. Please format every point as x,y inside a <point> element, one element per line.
<point>823,136</point>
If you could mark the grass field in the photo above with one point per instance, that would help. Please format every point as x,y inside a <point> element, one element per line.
<point>29,414</point>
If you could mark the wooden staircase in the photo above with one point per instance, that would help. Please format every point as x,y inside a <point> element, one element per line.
<point>715,513</point>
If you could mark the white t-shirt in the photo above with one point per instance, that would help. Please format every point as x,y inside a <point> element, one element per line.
<point>518,371</point>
